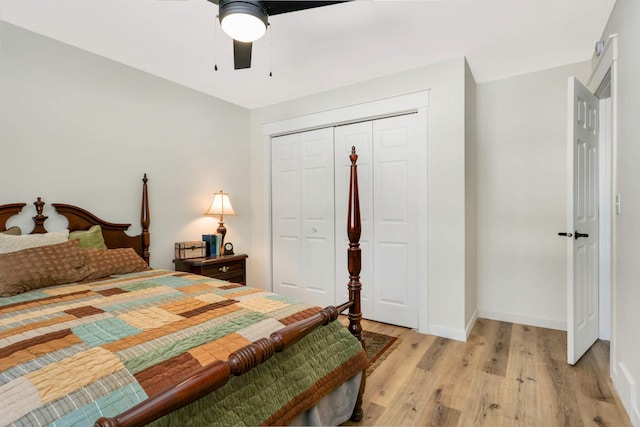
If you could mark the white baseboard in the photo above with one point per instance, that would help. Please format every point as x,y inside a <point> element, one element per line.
<point>445,332</point>
<point>627,389</point>
<point>523,320</point>
<point>470,325</point>
<point>463,335</point>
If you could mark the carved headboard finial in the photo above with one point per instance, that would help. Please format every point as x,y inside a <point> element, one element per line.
<point>39,219</point>
<point>39,205</point>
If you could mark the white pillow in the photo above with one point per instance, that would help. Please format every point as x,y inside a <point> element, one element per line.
<point>17,243</point>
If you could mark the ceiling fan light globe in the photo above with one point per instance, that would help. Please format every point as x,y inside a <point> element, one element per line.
<point>243,27</point>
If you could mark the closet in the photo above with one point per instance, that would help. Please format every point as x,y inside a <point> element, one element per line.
<point>309,208</point>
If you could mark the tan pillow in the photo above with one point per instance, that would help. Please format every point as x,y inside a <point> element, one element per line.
<point>12,231</point>
<point>10,243</point>
<point>104,263</point>
<point>41,266</point>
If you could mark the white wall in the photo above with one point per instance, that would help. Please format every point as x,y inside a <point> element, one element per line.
<point>446,178</point>
<point>522,196</point>
<point>80,129</point>
<point>625,21</point>
<point>471,201</point>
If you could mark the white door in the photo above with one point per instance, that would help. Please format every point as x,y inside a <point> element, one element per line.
<point>302,216</point>
<point>317,213</point>
<point>395,218</point>
<point>285,180</point>
<point>388,188</point>
<point>582,210</point>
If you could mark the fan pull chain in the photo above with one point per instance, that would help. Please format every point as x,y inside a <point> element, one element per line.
<point>270,51</point>
<point>215,44</point>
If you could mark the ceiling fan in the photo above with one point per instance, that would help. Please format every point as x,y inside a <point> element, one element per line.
<point>245,21</point>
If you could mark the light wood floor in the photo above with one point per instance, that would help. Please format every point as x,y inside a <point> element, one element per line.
<point>504,375</point>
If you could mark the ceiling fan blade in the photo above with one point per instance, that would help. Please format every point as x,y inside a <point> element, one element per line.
<point>241,55</point>
<point>277,7</point>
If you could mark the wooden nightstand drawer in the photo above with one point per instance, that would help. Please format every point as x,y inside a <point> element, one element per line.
<point>230,267</point>
<point>226,271</point>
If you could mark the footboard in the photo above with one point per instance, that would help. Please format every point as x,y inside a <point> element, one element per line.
<point>218,373</point>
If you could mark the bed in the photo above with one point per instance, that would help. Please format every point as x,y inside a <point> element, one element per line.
<point>148,346</point>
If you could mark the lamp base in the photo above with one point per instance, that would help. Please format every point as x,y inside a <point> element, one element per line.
<point>221,231</point>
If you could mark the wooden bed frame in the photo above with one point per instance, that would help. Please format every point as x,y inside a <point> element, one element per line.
<point>218,373</point>
<point>115,235</point>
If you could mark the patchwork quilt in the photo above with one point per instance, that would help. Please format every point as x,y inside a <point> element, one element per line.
<point>70,354</point>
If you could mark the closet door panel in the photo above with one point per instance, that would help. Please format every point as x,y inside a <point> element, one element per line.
<point>317,214</point>
<point>359,135</point>
<point>394,280</point>
<point>285,190</point>
<point>395,198</point>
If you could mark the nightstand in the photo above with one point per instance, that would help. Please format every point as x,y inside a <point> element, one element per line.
<point>224,267</point>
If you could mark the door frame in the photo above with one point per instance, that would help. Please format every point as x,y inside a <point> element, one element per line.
<point>606,68</point>
<point>416,102</point>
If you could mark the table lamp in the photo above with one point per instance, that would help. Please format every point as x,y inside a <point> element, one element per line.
<point>221,206</point>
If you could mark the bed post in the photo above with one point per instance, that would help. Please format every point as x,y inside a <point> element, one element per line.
<point>144,220</point>
<point>354,228</point>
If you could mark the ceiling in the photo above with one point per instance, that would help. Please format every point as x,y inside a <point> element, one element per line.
<point>319,49</point>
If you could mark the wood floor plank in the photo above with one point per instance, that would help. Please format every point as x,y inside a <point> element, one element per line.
<point>486,407</point>
<point>410,398</point>
<point>601,414</point>
<point>453,375</point>
<point>556,381</point>
<point>499,345</point>
<point>444,391</point>
<point>445,417</point>
<point>505,374</point>
<point>551,343</point>
<point>399,365</point>
<point>523,354</point>
<point>372,414</point>
<point>434,354</point>
<point>521,396</point>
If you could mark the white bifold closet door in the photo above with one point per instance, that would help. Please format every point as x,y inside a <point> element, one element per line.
<point>302,204</point>
<point>309,209</point>
<point>387,172</point>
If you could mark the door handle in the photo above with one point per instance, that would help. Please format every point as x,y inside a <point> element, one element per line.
<point>565,234</point>
<point>578,235</point>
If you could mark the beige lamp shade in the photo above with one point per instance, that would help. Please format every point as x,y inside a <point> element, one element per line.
<point>221,205</point>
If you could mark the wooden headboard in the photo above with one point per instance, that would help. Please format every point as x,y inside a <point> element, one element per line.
<point>7,211</point>
<point>115,235</point>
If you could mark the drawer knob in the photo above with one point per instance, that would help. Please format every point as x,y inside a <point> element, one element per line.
<point>224,269</point>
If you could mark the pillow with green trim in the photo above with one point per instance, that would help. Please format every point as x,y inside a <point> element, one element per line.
<point>91,238</point>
